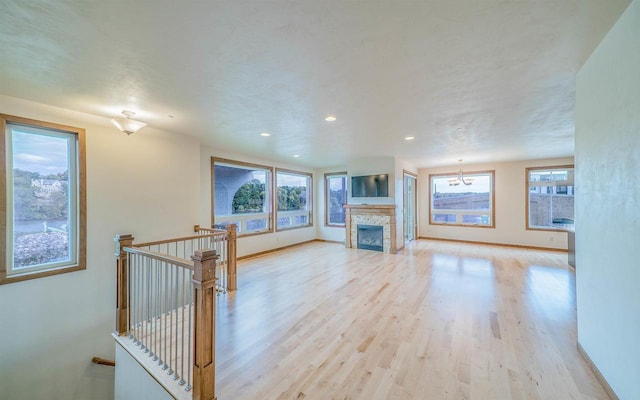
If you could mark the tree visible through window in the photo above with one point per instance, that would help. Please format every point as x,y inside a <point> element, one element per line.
<point>44,198</point>
<point>250,197</point>
<point>293,199</point>
<point>241,196</point>
<point>335,198</point>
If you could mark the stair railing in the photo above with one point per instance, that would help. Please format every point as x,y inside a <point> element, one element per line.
<point>166,293</point>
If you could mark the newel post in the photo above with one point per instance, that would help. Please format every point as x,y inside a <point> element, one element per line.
<point>232,278</point>
<point>204,299</point>
<point>122,283</point>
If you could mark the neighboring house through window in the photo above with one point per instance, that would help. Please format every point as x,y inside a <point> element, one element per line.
<point>550,198</point>
<point>242,196</point>
<point>43,199</point>
<point>245,194</point>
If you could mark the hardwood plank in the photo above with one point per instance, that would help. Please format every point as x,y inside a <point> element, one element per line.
<point>437,320</point>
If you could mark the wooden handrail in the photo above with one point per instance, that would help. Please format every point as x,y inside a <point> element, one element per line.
<point>103,361</point>
<point>177,261</point>
<point>180,239</point>
<point>232,235</point>
<point>198,228</point>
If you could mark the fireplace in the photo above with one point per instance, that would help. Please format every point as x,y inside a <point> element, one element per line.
<point>370,237</point>
<point>382,216</point>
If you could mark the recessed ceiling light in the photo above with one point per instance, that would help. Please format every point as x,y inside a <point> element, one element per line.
<point>459,129</point>
<point>330,118</point>
<point>265,134</point>
<point>296,156</point>
<point>409,138</point>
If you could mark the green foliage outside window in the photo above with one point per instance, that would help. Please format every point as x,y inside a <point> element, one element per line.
<point>250,198</point>
<point>292,198</point>
<point>35,202</point>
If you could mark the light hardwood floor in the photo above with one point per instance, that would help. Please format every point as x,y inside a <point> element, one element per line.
<point>437,321</point>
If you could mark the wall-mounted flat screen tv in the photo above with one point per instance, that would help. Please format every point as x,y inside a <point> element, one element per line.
<point>370,186</point>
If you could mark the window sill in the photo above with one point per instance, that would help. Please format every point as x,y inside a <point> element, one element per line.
<point>550,229</point>
<point>38,274</point>
<point>249,234</point>
<point>463,225</point>
<point>293,228</point>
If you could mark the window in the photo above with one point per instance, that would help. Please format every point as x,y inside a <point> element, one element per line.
<point>43,199</point>
<point>455,203</point>
<point>293,199</point>
<point>550,198</point>
<point>242,196</point>
<point>335,197</point>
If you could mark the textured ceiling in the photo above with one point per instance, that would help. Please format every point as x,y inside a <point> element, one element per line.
<point>480,80</point>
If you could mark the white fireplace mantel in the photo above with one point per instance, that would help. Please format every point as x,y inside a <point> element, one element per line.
<point>371,214</point>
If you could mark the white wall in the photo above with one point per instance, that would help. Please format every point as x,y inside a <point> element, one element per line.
<point>133,382</point>
<point>367,166</point>
<point>510,195</point>
<point>608,205</point>
<point>372,166</point>
<point>146,184</point>
<point>257,243</point>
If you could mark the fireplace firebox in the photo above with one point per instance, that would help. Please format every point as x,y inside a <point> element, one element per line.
<point>370,237</point>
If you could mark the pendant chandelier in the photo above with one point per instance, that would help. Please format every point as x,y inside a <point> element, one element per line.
<point>460,179</point>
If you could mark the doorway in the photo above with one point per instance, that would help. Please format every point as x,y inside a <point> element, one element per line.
<point>409,199</point>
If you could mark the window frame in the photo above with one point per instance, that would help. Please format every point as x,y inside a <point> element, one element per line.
<point>470,174</point>
<point>528,193</point>
<point>328,176</point>
<point>80,217</point>
<point>270,184</point>
<point>275,198</point>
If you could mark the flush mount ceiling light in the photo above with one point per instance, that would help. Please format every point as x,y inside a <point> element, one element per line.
<point>460,178</point>
<point>296,156</point>
<point>128,125</point>
<point>330,118</point>
<point>409,138</point>
<point>265,134</point>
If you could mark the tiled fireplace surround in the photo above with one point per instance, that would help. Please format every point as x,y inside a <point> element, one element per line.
<point>367,214</point>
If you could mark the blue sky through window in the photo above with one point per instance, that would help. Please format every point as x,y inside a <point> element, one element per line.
<point>39,153</point>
